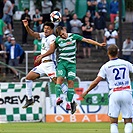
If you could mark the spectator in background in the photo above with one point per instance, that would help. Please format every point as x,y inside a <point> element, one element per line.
<point>36,19</point>
<point>6,45</point>
<point>92,7</point>
<point>41,26</point>
<point>37,47</point>
<point>76,25</point>
<point>2,28</point>
<point>110,35</point>
<point>127,45</point>
<point>1,8</point>
<point>88,14</point>
<point>24,16</point>
<point>46,9</point>
<point>65,23</point>
<point>7,10</point>
<point>15,51</point>
<point>100,25</point>
<point>114,8</point>
<point>67,13</point>
<point>13,12</point>
<point>102,8</point>
<point>86,30</point>
<point>116,22</point>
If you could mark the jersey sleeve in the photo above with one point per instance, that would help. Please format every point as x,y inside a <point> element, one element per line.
<point>41,35</point>
<point>102,72</point>
<point>130,66</point>
<point>77,37</point>
<point>56,41</point>
<point>35,42</point>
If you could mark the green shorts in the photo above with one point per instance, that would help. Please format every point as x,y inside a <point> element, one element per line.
<point>66,69</point>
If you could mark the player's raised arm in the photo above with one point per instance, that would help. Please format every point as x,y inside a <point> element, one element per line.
<point>30,32</point>
<point>49,52</point>
<point>93,42</point>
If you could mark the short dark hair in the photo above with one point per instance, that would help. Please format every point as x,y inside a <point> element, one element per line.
<point>58,30</point>
<point>113,50</point>
<point>26,9</point>
<point>50,24</point>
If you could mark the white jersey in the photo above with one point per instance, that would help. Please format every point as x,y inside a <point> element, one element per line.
<point>116,72</point>
<point>111,40</point>
<point>46,41</point>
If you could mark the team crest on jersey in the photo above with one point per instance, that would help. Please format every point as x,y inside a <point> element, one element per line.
<point>68,43</point>
<point>43,46</point>
<point>60,72</point>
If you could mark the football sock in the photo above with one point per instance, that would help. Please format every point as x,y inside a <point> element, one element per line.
<point>29,84</point>
<point>114,128</point>
<point>70,94</point>
<point>64,88</point>
<point>58,90</point>
<point>128,128</point>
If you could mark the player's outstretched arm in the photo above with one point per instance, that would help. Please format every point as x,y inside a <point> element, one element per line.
<point>30,32</point>
<point>90,41</point>
<point>92,86</point>
<point>49,52</point>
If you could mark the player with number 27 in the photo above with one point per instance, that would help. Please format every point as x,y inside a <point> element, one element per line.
<point>116,72</point>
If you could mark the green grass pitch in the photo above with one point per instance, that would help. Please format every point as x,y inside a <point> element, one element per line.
<point>58,127</point>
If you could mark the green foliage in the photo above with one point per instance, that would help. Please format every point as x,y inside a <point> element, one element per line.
<point>129,5</point>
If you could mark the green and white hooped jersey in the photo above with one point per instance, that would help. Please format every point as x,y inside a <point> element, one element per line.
<point>67,47</point>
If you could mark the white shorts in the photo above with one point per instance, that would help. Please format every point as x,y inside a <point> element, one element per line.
<point>120,101</point>
<point>48,68</point>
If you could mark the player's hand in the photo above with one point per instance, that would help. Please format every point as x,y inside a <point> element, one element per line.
<point>102,44</point>
<point>38,59</point>
<point>84,94</point>
<point>25,22</point>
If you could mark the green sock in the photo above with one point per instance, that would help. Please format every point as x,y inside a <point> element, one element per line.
<point>70,94</point>
<point>58,90</point>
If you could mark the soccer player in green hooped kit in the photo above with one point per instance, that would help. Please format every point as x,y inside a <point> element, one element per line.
<point>66,66</point>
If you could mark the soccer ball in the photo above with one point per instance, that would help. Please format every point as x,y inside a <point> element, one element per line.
<point>55,16</point>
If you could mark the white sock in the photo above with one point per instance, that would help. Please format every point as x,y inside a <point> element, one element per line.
<point>64,88</point>
<point>128,128</point>
<point>114,128</point>
<point>29,84</point>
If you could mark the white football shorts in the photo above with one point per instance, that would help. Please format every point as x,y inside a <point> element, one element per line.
<point>48,68</point>
<point>120,101</point>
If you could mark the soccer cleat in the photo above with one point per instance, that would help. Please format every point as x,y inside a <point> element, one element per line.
<point>59,101</point>
<point>73,107</point>
<point>28,103</point>
<point>68,106</point>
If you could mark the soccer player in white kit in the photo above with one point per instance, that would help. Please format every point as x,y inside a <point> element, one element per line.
<point>116,72</point>
<point>47,65</point>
